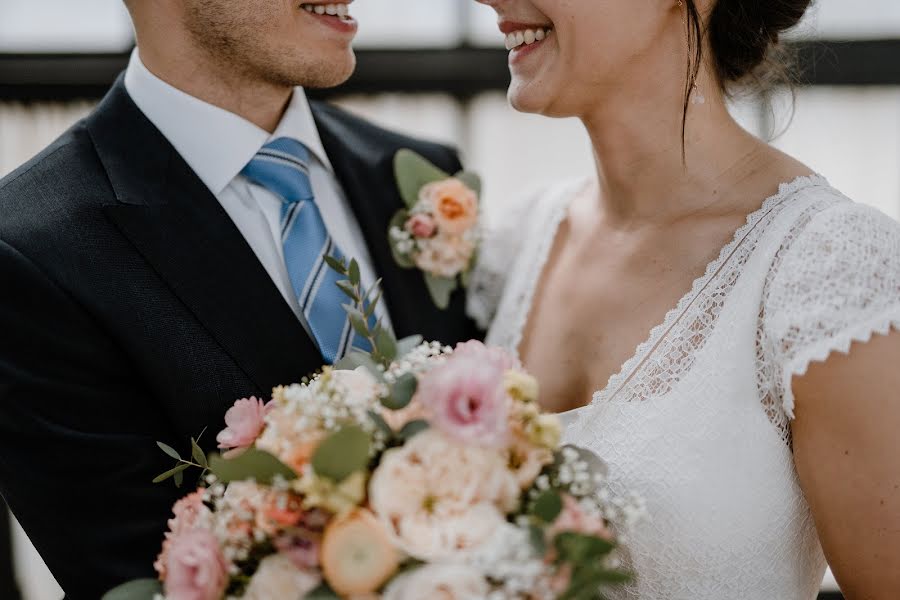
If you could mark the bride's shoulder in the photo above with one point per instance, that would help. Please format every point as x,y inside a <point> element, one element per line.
<point>834,279</point>
<point>511,224</point>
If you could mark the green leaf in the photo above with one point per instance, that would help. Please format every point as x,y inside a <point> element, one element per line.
<point>349,290</point>
<point>342,453</point>
<point>252,464</point>
<point>538,539</point>
<point>171,473</point>
<point>169,450</point>
<point>381,424</point>
<point>323,592</point>
<point>336,264</point>
<point>440,288</point>
<point>412,429</point>
<point>548,506</point>
<point>413,172</point>
<point>139,589</point>
<point>577,548</point>
<point>408,344</point>
<point>197,453</point>
<point>386,344</point>
<point>357,359</point>
<point>179,479</point>
<point>404,261</point>
<point>402,392</point>
<point>472,180</point>
<point>370,309</point>
<point>358,321</point>
<point>353,273</point>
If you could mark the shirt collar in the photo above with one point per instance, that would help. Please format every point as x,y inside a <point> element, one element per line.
<point>215,143</point>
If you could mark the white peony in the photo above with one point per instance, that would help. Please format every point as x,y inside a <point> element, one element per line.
<point>277,577</point>
<point>438,582</point>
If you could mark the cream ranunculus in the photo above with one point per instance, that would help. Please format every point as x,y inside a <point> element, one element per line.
<point>438,582</point>
<point>439,497</point>
<point>277,577</point>
<point>445,256</point>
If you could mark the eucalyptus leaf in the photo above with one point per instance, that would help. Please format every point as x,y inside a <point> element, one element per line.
<point>381,424</point>
<point>349,290</point>
<point>408,344</point>
<point>548,506</point>
<point>342,453</point>
<point>359,324</point>
<point>413,172</point>
<point>386,344</point>
<point>169,450</point>
<point>357,359</point>
<point>370,309</point>
<point>353,272</point>
<point>171,473</point>
<point>179,479</point>
<point>252,464</point>
<point>577,548</point>
<point>472,180</point>
<point>412,429</point>
<point>197,453</point>
<point>441,289</point>
<point>402,392</point>
<point>336,264</point>
<point>139,589</point>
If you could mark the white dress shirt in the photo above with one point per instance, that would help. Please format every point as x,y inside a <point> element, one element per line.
<point>218,144</point>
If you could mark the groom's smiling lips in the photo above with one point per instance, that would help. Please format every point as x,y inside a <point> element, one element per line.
<point>333,14</point>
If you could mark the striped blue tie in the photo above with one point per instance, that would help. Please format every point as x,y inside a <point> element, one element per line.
<point>282,167</point>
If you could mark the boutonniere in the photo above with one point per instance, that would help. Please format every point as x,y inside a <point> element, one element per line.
<point>438,231</point>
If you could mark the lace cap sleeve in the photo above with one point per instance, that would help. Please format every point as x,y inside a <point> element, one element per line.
<point>837,282</point>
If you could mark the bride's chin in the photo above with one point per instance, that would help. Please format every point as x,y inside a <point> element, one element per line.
<point>528,97</point>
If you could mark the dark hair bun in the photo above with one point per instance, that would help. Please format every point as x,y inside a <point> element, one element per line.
<point>742,33</point>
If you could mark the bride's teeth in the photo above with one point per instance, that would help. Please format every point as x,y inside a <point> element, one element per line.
<point>343,10</point>
<point>320,10</point>
<point>334,10</point>
<point>331,9</point>
<point>527,36</point>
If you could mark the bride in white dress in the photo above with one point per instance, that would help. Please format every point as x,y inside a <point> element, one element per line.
<point>759,418</point>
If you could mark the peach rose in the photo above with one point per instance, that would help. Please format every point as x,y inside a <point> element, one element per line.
<point>357,555</point>
<point>438,582</point>
<point>278,577</point>
<point>454,205</point>
<point>438,497</point>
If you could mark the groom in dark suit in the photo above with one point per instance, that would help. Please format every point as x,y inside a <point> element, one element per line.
<point>146,281</point>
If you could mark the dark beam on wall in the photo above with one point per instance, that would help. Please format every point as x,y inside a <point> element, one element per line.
<point>461,72</point>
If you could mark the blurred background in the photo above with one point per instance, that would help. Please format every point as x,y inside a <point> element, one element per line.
<point>437,69</point>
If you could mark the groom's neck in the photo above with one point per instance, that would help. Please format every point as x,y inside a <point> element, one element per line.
<point>214,81</point>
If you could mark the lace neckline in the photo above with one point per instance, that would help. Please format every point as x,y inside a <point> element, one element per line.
<point>631,366</point>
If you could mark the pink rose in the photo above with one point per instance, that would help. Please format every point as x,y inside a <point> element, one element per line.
<point>245,421</point>
<point>465,397</point>
<point>189,512</point>
<point>575,519</point>
<point>196,568</point>
<point>421,226</point>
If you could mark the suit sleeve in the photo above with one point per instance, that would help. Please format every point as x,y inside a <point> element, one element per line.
<point>77,437</point>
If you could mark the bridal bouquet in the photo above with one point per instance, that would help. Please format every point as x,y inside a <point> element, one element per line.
<point>416,471</point>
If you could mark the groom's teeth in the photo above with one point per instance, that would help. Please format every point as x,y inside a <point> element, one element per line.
<point>334,10</point>
<point>526,36</point>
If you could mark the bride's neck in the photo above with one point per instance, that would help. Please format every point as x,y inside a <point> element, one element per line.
<point>644,172</point>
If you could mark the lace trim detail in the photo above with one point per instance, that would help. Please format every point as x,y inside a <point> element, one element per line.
<point>822,350</point>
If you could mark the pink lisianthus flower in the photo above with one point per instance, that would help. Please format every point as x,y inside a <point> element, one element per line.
<point>244,422</point>
<point>196,568</point>
<point>465,397</point>
<point>576,519</point>
<point>421,226</point>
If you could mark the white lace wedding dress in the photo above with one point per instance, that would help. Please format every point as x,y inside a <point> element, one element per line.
<point>698,421</point>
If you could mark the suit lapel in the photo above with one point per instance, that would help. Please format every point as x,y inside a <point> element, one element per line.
<point>190,241</point>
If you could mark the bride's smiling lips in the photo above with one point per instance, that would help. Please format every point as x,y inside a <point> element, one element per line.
<point>523,39</point>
